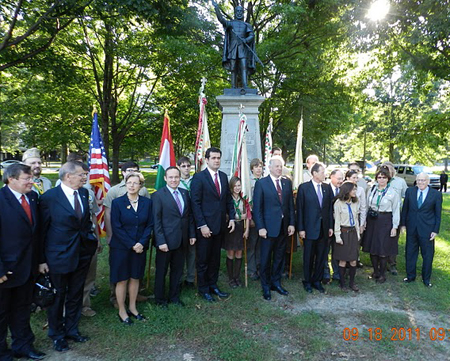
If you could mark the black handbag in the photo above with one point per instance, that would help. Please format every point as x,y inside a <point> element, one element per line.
<point>44,292</point>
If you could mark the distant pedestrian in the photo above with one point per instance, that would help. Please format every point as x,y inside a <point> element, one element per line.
<point>444,179</point>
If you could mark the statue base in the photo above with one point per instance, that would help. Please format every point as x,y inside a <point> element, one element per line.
<point>229,104</point>
<point>240,91</point>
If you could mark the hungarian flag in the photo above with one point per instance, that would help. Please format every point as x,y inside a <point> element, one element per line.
<point>298,163</point>
<point>98,172</point>
<point>202,143</point>
<point>166,153</point>
<point>268,147</point>
<point>239,163</point>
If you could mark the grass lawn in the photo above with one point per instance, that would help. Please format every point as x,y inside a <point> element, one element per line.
<point>383,321</point>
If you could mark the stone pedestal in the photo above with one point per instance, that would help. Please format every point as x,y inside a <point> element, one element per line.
<point>229,105</point>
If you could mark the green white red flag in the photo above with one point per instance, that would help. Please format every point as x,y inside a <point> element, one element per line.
<point>202,143</point>
<point>166,153</point>
<point>268,147</point>
<point>298,163</point>
<point>240,164</point>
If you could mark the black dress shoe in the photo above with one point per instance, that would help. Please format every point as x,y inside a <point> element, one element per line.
<point>326,281</point>
<point>188,284</point>
<point>60,345</point>
<point>359,264</point>
<point>318,287</point>
<point>219,293</point>
<point>33,354</point>
<point>208,297</point>
<point>280,290</point>
<point>126,321</point>
<point>162,304</point>
<point>427,284</point>
<point>267,296</point>
<point>307,288</point>
<point>138,317</point>
<point>408,280</point>
<point>77,338</point>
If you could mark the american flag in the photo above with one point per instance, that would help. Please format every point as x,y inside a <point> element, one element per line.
<point>98,172</point>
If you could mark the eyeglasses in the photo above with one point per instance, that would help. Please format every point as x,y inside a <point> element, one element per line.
<point>381,177</point>
<point>185,166</point>
<point>27,180</point>
<point>421,180</point>
<point>132,184</point>
<point>82,175</point>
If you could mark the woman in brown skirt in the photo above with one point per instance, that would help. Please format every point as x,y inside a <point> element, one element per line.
<point>234,242</point>
<point>346,230</point>
<point>383,219</point>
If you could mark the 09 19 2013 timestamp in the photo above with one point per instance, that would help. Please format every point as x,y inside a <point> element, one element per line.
<point>396,334</point>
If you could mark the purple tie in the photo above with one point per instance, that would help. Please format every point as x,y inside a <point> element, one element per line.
<point>77,204</point>
<point>279,189</point>
<point>180,207</point>
<point>319,195</point>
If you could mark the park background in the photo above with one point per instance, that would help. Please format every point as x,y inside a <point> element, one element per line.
<point>370,85</point>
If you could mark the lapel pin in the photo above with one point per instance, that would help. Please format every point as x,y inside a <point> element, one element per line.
<point>128,207</point>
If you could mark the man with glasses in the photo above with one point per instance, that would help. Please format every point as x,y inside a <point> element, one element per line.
<point>115,192</point>
<point>184,165</point>
<point>18,262</point>
<point>32,158</point>
<point>68,246</point>
<point>421,218</point>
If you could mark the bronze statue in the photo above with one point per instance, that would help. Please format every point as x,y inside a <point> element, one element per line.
<point>239,55</point>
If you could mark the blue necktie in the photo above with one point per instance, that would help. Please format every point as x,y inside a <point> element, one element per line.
<point>319,195</point>
<point>420,200</point>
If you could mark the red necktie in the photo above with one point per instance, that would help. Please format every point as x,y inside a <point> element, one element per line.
<point>26,208</point>
<point>279,190</point>
<point>216,182</point>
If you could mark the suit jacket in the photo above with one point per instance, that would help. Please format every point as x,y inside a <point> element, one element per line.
<point>425,219</point>
<point>19,239</point>
<point>65,237</point>
<point>208,208</point>
<point>268,211</point>
<point>129,226</point>
<point>310,216</point>
<point>171,227</point>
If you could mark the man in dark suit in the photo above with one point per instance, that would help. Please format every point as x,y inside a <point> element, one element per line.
<point>68,246</point>
<point>211,202</point>
<point>315,226</point>
<point>174,226</point>
<point>421,217</point>
<point>274,215</point>
<point>18,261</point>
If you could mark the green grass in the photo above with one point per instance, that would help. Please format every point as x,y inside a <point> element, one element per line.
<point>298,327</point>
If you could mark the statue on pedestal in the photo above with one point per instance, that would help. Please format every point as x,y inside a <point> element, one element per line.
<point>239,56</point>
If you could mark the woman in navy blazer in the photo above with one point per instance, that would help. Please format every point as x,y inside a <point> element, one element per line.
<point>132,224</point>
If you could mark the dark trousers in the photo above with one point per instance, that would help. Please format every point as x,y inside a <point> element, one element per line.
<point>253,251</point>
<point>173,258</point>
<point>189,255</point>
<point>334,262</point>
<point>15,305</point>
<point>208,261</point>
<point>64,315</point>
<point>413,243</point>
<point>274,248</point>
<point>314,256</point>
<point>443,187</point>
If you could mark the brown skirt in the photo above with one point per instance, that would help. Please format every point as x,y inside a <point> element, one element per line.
<point>348,251</point>
<point>377,238</point>
<point>234,241</point>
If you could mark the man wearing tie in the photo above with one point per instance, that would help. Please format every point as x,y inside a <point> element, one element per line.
<point>274,215</point>
<point>68,246</point>
<point>174,226</point>
<point>315,225</point>
<point>211,202</point>
<point>421,217</point>
<point>18,261</point>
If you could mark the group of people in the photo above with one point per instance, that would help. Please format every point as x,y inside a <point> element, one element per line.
<point>192,218</point>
